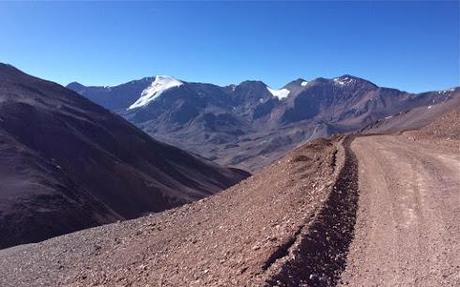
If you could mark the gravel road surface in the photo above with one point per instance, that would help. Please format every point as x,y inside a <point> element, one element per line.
<point>408,224</point>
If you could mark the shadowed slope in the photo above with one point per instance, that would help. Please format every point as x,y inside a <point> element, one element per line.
<point>68,164</point>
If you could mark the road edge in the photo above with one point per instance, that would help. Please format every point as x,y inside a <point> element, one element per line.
<point>320,250</point>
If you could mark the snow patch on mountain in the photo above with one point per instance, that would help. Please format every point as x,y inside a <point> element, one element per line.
<point>158,86</point>
<point>304,83</point>
<point>342,81</point>
<point>280,94</point>
<point>446,91</point>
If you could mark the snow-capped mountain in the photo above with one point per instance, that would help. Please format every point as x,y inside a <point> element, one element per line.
<point>250,124</point>
<point>158,86</point>
<point>68,164</point>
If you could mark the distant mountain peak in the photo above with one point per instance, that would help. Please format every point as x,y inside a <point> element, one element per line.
<point>8,71</point>
<point>75,85</point>
<point>344,80</point>
<point>160,84</point>
<point>348,80</point>
<point>297,82</point>
<point>252,83</point>
<point>7,66</point>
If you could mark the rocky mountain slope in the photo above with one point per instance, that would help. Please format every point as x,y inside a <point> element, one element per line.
<point>415,118</point>
<point>250,124</point>
<point>244,236</point>
<point>68,164</point>
<point>313,218</point>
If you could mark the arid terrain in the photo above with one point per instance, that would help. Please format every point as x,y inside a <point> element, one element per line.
<point>318,217</point>
<point>407,229</point>
<point>230,143</point>
<point>375,208</point>
<point>241,237</point>
<point>381,211</point>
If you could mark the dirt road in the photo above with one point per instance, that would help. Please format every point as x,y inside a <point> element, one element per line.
<point>298,222</point>
<point>408,223</point>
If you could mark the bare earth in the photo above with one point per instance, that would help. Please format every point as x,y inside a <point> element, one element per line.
<point>263,231</point>
<point>408,223</point>
<point>298,222</point>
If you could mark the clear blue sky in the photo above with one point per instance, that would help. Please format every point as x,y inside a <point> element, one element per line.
<point>409,45</point>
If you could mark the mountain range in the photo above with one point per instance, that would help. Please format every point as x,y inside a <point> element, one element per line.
<point>249,125</point>
<point>313,217</point>
<point>67,164</point>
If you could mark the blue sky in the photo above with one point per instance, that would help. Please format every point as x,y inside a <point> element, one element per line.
<point>409,45</point>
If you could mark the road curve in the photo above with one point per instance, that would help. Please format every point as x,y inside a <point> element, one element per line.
<point>407,231</point>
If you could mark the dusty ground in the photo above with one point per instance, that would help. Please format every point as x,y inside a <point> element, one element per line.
<point>384,212</point>
<point>444,132</point>
<point>407,231</point>
<point>244,236</point>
